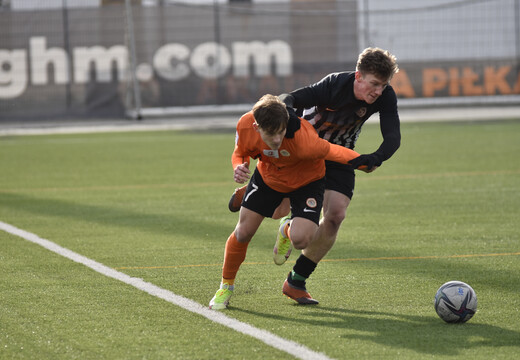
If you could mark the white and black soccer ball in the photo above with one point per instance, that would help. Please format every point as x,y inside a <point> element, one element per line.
<point>455,302</point>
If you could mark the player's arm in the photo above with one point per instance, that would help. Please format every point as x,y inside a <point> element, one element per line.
<point>241,170</point>
<point>343,155</point>
<point>312,95</point>
<point>390,127</point>
<point>240,160</point>
<point>390,130</point>
<point>340,154</point>
<point>322,149</point>
<point>318,148</point>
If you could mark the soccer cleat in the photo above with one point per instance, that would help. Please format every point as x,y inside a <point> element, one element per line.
<point>236,199</point>
<point>283,247</point>
<point>221,299</point>
<point>298,294</point>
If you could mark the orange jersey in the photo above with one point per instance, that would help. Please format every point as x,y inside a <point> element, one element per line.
<point>300,159</point>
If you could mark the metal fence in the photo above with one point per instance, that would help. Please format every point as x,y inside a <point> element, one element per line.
<point>106,58</point>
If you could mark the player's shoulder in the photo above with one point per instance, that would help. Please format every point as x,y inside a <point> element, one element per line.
<point>388,97</point>
<point>341,76</point>
<point>389,90</point>
<point>306,130</point>
<point>310,145</point>
<point>337,84</point>
<point>246,121</point>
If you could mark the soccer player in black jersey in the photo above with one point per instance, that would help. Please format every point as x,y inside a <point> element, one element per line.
<point>338,106</point>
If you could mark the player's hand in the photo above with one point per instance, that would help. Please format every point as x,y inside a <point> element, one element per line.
<point>366,162</point>
<point>291,111</point>
<point>241,173</point>
<point>367,170</point>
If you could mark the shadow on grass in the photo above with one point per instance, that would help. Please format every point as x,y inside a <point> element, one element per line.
<point>423,334</point>
<point>175,222</point>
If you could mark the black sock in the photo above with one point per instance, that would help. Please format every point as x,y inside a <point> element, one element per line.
<point>301,271</point>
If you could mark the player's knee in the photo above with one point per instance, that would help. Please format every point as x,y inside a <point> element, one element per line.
<point>243,235</point>
<point>301,241</point>
<point>334,219</point>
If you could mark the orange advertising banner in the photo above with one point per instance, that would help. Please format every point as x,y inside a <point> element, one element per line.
<point>457,80</point>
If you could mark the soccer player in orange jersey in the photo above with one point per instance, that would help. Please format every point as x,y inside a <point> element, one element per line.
<point>291,164</point>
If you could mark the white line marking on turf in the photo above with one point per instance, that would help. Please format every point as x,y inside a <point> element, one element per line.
<point>297,350</point>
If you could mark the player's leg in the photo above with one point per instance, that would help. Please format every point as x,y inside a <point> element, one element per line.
<point>236,199</point>
<point>334,210</point>
<point>340,182</point>
<point>234,255</point>
<point>301,232</point>
<point>283,209</point>
<point>306,204</point>
<point>260,201</point>
<point>238,195</point>
<point>340,185</point>
<point>237,243</point>
<point>294,286</point>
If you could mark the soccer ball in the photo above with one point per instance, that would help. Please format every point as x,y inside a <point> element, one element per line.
<point>455,302</point>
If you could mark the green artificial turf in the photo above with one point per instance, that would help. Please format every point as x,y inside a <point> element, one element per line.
<point>153,205</point>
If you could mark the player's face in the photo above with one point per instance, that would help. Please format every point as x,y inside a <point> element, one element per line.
<point>368,87</point>
<point>273,140</point>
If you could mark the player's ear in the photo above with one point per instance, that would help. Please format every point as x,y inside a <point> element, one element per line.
<point>255,126</point>
<point>358,75</point>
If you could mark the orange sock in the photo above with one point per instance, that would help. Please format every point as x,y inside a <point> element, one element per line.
<point>286,229</point>
<point>233,257</point>
<point>229,282</point>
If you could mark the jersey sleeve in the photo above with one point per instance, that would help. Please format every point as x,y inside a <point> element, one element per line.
<point>238,159</point>
<point>312,95</point>
<point>322,149</point>
<point>240,154</point>
<point>340,154</point>
<point>390,126</point>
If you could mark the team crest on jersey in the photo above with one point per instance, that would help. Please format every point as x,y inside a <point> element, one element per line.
<point>311,202</point>
<point>284,152</point>
<point>271,153</point>
<point>361,112</point>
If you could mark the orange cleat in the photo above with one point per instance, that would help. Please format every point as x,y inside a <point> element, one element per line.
<point>300,295</point>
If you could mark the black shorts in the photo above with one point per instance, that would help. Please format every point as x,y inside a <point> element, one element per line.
<point>340,178</point>
<point>306,202</point>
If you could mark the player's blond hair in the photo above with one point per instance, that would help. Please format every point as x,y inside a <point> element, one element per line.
<point>378,62</point>
<point>271,114</point>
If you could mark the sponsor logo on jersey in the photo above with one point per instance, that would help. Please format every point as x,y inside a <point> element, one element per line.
<point>271,153</point>
<point>361,112</point>
<point>284,152</point>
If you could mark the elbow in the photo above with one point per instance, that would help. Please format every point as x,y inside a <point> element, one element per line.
<point>288,99</point>
<point>395,140</point>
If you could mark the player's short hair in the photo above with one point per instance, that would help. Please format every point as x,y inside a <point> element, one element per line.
<point>271,114</point>
<point>378,62</point>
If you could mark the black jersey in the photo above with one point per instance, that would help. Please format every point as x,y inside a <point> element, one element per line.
<point>331,107</point>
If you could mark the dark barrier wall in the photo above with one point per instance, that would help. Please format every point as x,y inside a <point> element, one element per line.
<point>235,55</point>
<point>62,62</point>
<point>78,62</point>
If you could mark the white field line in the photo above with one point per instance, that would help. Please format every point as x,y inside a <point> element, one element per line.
<point>297,350</point>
